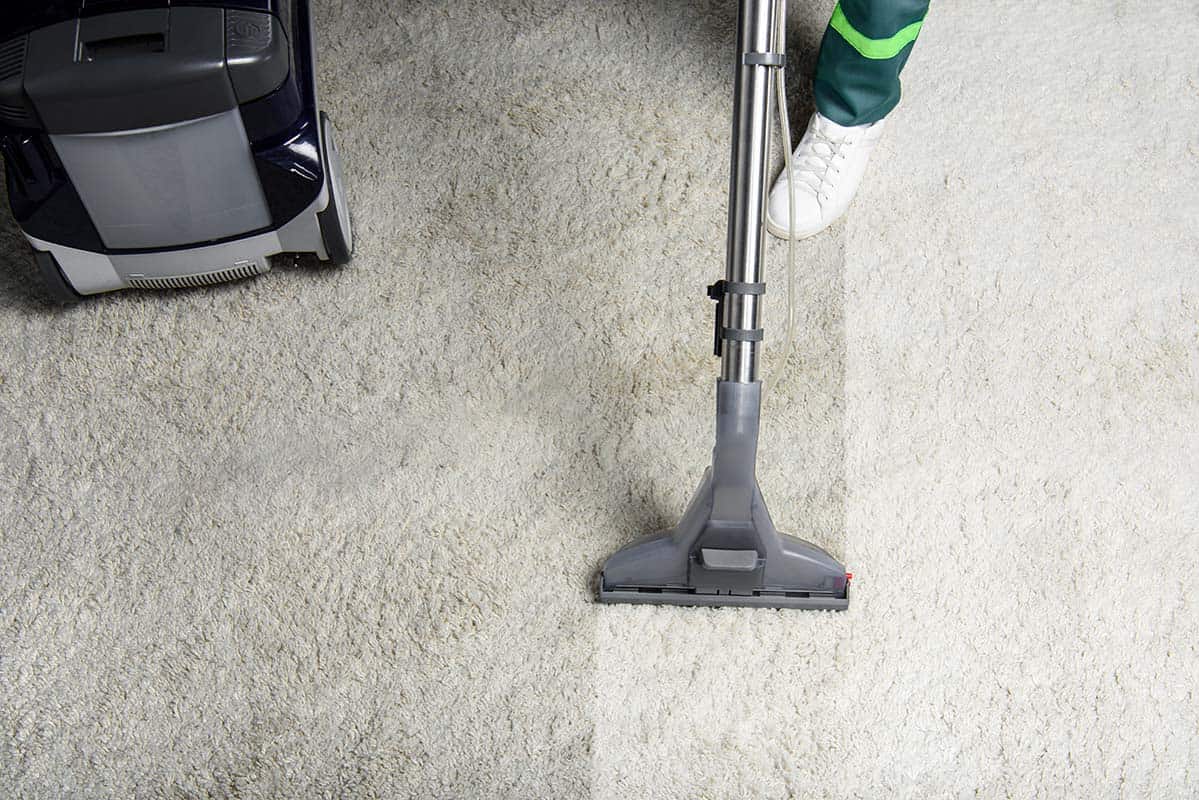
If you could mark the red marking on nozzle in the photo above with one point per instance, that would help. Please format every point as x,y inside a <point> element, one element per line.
<point>849,576</point>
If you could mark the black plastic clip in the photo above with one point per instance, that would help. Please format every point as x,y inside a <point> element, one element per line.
<point>718,291</point>
<point>764,59</point>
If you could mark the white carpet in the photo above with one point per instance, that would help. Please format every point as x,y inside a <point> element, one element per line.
<point>333,533</point>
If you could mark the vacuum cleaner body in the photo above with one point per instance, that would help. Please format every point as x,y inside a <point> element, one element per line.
<point>166,143</point>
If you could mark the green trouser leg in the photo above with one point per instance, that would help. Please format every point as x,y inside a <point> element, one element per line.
<point>865,47</point>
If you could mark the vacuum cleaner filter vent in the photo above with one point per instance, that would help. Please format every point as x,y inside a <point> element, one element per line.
<point>246,269</point>
<point>12,67</point>
<point>12,58</point>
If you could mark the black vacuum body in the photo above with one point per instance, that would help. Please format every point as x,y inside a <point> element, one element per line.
<point>166,143</point>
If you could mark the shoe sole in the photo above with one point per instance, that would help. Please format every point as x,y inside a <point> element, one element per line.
<point>779,232</point>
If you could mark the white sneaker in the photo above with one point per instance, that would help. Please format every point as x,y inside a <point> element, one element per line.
<point>828,165</point>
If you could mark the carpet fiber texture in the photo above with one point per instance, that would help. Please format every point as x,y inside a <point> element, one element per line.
<point>334,533</point>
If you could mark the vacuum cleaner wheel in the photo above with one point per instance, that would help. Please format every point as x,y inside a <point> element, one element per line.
<point>52,278</point>
<point>336,231</point>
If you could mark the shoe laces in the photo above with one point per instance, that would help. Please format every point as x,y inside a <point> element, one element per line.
<point>819,156</point>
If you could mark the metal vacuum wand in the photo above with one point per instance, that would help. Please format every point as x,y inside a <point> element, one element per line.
<point>725,550</point>
<point>758,53</point>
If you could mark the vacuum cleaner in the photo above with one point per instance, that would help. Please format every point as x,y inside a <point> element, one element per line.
<point>725,551</point>
<point>162,144</point>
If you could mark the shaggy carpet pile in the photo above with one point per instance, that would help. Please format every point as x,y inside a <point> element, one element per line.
<point>334,533</point>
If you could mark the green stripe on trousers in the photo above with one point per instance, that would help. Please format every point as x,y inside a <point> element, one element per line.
<point>863,51</point>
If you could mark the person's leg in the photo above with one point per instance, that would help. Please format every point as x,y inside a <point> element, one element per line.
<point>865,47</point>
<point>856,84</point>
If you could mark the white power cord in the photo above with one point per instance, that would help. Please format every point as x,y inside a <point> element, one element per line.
<point>780,368</point>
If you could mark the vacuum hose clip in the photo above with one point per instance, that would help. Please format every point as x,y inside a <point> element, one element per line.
<point>718,291</point>
<point>764,59</point>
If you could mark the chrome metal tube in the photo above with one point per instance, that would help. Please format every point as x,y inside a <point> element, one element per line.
<point>748,184</point>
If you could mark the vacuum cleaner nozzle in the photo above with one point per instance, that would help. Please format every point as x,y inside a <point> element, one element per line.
<point>725,551</point>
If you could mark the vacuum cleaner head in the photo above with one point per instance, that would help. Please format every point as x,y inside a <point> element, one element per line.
<point>725,551</point>
<point>155,144</point>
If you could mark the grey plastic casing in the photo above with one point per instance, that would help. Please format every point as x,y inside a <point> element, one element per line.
<point>91,273</point>
<point>80,79</point>
<point>189,181</point>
